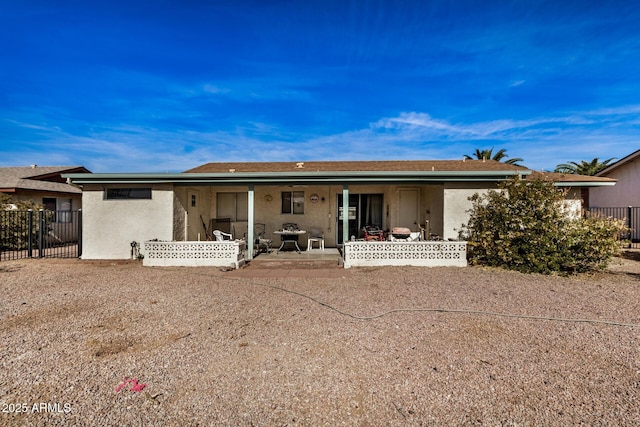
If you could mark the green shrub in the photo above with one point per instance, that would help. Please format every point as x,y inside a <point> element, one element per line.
<point>14,221</point>
<point>523,226</point>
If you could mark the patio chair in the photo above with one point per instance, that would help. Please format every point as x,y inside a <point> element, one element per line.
<point>260,240</point>
<point>315,235</point>
<point>373,233</point>
<point>222,224</point>
<point>221,236</point>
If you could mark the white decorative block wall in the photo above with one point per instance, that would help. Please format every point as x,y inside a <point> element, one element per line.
<point>193,254</point>
<point>421,254</point>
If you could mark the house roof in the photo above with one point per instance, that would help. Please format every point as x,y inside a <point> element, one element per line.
<point>362,166</point>
<point>38,178</point>
<point>337,173</point>
<point>572,180</point>
<point>628,159</point>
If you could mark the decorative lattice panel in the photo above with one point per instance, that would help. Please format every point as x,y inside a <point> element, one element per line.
<point>423,253</point>
<point>193,253</point>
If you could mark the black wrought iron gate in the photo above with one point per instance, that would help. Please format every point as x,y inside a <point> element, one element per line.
<point>631,217</point>
<point>40,234</point>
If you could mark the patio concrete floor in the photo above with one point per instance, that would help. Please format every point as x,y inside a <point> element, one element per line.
<point>313,263</point>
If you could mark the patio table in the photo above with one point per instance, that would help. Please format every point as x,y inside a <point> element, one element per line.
<point>289,236</point>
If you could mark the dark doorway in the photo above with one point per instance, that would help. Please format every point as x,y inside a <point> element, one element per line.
<point>364,210</point>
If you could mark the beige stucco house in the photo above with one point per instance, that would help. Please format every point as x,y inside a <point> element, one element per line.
<point>626,192</point>
<point>180,207</point>
<point>623,200</point>
<point>45,186</point>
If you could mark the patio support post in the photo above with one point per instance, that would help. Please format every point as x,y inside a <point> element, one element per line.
<point>186,225</point>
<point>250,220</point>
<point>345,213</point>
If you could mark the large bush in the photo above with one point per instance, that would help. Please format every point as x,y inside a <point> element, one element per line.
<point>525,226</point>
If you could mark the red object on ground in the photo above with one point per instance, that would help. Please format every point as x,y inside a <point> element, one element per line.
<point>135,385</point>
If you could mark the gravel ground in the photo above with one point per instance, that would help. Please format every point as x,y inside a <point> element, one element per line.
<point>214,348</point>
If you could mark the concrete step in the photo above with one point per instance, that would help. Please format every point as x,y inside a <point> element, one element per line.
<point>294,264</point>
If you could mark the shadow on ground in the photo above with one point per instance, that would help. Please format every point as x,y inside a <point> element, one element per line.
<point>632,255</point>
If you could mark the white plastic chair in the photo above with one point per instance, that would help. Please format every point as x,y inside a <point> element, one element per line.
<point>315,235</point>
<point>221,236</point>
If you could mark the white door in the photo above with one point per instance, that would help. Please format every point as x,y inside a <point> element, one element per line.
<point>195,222</point>
<point>409,209</point>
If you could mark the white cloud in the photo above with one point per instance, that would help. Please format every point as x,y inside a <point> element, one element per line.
<point>542,142</point>
<point>213,89</point>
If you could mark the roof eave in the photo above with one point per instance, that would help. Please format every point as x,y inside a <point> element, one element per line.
<point>619,163</point>
<point>584,183</point>
<point>297,177</point>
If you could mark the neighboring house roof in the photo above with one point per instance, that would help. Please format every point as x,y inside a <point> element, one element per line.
<point>628,159</point>
<point>38,178</point>
<point>572,180</point>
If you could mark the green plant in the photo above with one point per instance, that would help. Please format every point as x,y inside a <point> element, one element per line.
<point>14,222</point>
<point>524,226</point>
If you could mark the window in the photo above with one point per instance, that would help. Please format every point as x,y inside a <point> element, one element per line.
<point>49,203</point>
<point>127,193</point>
<point>232,205</point>
<point>293,202</point>
<point>62,208</point>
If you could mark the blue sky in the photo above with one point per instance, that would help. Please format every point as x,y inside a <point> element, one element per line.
<point>139,86</point>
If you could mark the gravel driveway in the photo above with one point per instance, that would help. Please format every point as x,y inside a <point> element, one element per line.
<point>199,346</point>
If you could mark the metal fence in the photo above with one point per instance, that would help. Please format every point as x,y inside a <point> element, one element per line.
<point>40,234</point>
<point>630,215</point>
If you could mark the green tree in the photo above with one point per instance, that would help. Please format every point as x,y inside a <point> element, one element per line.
<point>526,227</point>
<point>583,168</point>
<point>489,155</point>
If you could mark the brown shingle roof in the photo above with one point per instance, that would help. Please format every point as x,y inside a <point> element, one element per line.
<point>357,166</point>
<point>41,178</point>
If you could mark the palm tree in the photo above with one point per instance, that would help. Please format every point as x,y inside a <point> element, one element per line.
<point>488,155</point>
<point>583,168</point>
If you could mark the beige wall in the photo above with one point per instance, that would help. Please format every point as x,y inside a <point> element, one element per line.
<point>37,196</point>
<point>321,214</point>
<point>433,208</point>
<point>109,226</point>
<point>456,205</point>
<point>625,193</point>
<point>192,222</point>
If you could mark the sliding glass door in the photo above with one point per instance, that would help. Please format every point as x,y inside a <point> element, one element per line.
<point>364,210</point>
